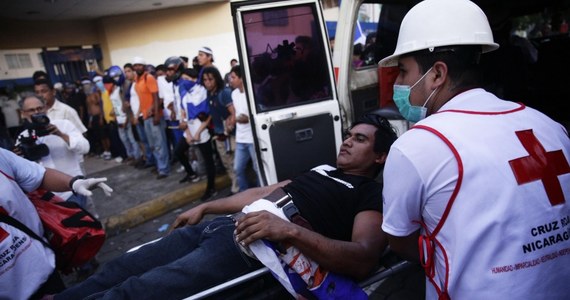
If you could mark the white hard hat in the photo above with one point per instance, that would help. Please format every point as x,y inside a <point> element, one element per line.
<point>436,23</point>
<point>137,60</point>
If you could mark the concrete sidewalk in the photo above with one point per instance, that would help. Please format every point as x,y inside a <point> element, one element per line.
<point>138,196</point>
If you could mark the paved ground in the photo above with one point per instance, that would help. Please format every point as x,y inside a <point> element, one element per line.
<point>141,209</point>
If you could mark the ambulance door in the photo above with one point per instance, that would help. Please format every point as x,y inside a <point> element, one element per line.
<point>294,111</point>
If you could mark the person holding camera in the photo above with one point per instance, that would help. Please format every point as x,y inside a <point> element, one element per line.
<point>56,144</point>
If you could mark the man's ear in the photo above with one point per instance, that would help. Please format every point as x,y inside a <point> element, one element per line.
<point>440,69</point>
<point>381,158</point>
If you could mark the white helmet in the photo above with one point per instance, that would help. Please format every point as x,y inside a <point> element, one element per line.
<point>436,23</point>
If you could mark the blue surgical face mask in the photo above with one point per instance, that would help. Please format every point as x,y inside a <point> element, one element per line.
<point>401,97</point>
<point>100,85</point>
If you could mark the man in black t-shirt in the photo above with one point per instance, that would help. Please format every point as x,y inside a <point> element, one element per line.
<point>343,206</point>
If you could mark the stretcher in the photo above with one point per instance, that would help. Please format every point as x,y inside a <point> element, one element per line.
<point>262,283</point>
<point>267,287</point>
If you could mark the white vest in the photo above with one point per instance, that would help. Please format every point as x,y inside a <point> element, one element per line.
<point>505,235</point>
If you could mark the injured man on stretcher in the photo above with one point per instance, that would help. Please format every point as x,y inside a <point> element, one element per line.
<point>323,228</point>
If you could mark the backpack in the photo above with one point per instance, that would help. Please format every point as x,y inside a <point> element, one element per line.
<point>72,233</point>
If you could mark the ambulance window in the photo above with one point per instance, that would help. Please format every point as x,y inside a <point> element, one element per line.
<point>286,57</point>
<point>376,32</point>
<point>363,53</point>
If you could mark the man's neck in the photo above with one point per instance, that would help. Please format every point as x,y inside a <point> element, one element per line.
<point>51,105</point>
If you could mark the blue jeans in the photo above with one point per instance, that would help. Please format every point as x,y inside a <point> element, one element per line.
<point>156,136</point>
<point>244,152</point>
<point>79,199</point>
<point>185,262</point>
<point>142,136</point>
<point>128,139</point>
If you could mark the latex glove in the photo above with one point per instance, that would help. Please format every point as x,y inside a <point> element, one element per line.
<point>84,186</point>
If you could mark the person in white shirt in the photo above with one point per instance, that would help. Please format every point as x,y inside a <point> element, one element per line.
<point>170,98</point>
<point>65,143</point>
<point>124,128</point>
<point>479,189</point>
<point>11,113</point>
<point>245,149</point>
<point>56,109</point>
<point>30,272</point>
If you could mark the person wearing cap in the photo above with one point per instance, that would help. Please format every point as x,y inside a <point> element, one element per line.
<point>479,189</point>
<point>205,57</point>
<point>151,108</point>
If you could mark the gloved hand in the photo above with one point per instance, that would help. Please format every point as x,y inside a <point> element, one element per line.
<point>84,186</point>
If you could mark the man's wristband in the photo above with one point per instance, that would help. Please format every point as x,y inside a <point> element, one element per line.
<point>73,180</point>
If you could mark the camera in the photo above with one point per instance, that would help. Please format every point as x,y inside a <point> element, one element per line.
<point>36,128</point>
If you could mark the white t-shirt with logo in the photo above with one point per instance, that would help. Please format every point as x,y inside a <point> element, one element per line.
<point>25,263</point>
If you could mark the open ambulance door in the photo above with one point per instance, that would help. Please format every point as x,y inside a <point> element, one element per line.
<point>294,110</point>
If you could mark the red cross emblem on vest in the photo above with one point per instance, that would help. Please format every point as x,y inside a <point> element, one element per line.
<point>540,165</point>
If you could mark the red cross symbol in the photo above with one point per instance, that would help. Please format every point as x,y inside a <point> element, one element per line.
<point>540,165</point>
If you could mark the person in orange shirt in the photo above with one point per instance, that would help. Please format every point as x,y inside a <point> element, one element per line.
<point>146,88</point>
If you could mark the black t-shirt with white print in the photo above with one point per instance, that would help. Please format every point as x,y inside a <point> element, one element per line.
<point>331,199</point>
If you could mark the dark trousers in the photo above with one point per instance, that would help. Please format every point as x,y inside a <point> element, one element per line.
<point>181,153</point>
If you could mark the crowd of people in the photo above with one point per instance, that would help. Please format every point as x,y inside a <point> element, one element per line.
<point>148,116</point>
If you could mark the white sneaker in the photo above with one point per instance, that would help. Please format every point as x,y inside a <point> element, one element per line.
<point>180,169</point>
<point>106,155</point>
<point>119,159</point>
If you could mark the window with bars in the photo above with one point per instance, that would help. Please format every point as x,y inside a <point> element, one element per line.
<point>18,61</point>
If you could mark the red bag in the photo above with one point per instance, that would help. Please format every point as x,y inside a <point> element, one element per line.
<point>73,233</point>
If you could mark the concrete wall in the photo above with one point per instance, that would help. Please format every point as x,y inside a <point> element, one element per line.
<point>153,35</point>
<point>181,31</point>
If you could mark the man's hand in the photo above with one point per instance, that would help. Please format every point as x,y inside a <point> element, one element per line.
<point>262,225</point>
<point>156,119</point>
<point>242,119</point>
<point>52,129</point>
<point>18,151</point>
<point>183,125</point>
<point>84,186</point>
<point>189,217</point>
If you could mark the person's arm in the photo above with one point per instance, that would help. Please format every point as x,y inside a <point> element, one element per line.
<point>202,127</point>
<point>57,181</point>
<point>226,205</point>
<point>231,119</point>
<point>76,142</point>
<point>406,246</point>
<point>356,258</point>
<point>156,104</point>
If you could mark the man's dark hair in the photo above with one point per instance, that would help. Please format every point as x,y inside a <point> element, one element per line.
<point>462,63</point>
<point>44,81</point>
<point>184,58</point>
<point>237,70</point>
<point>233,60</point>
<point>190,72</point>
<point>217,77</point>
<point>39,75</point>
<point>384,136</point>
<point>128,65</point>
<point>161,67</point>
